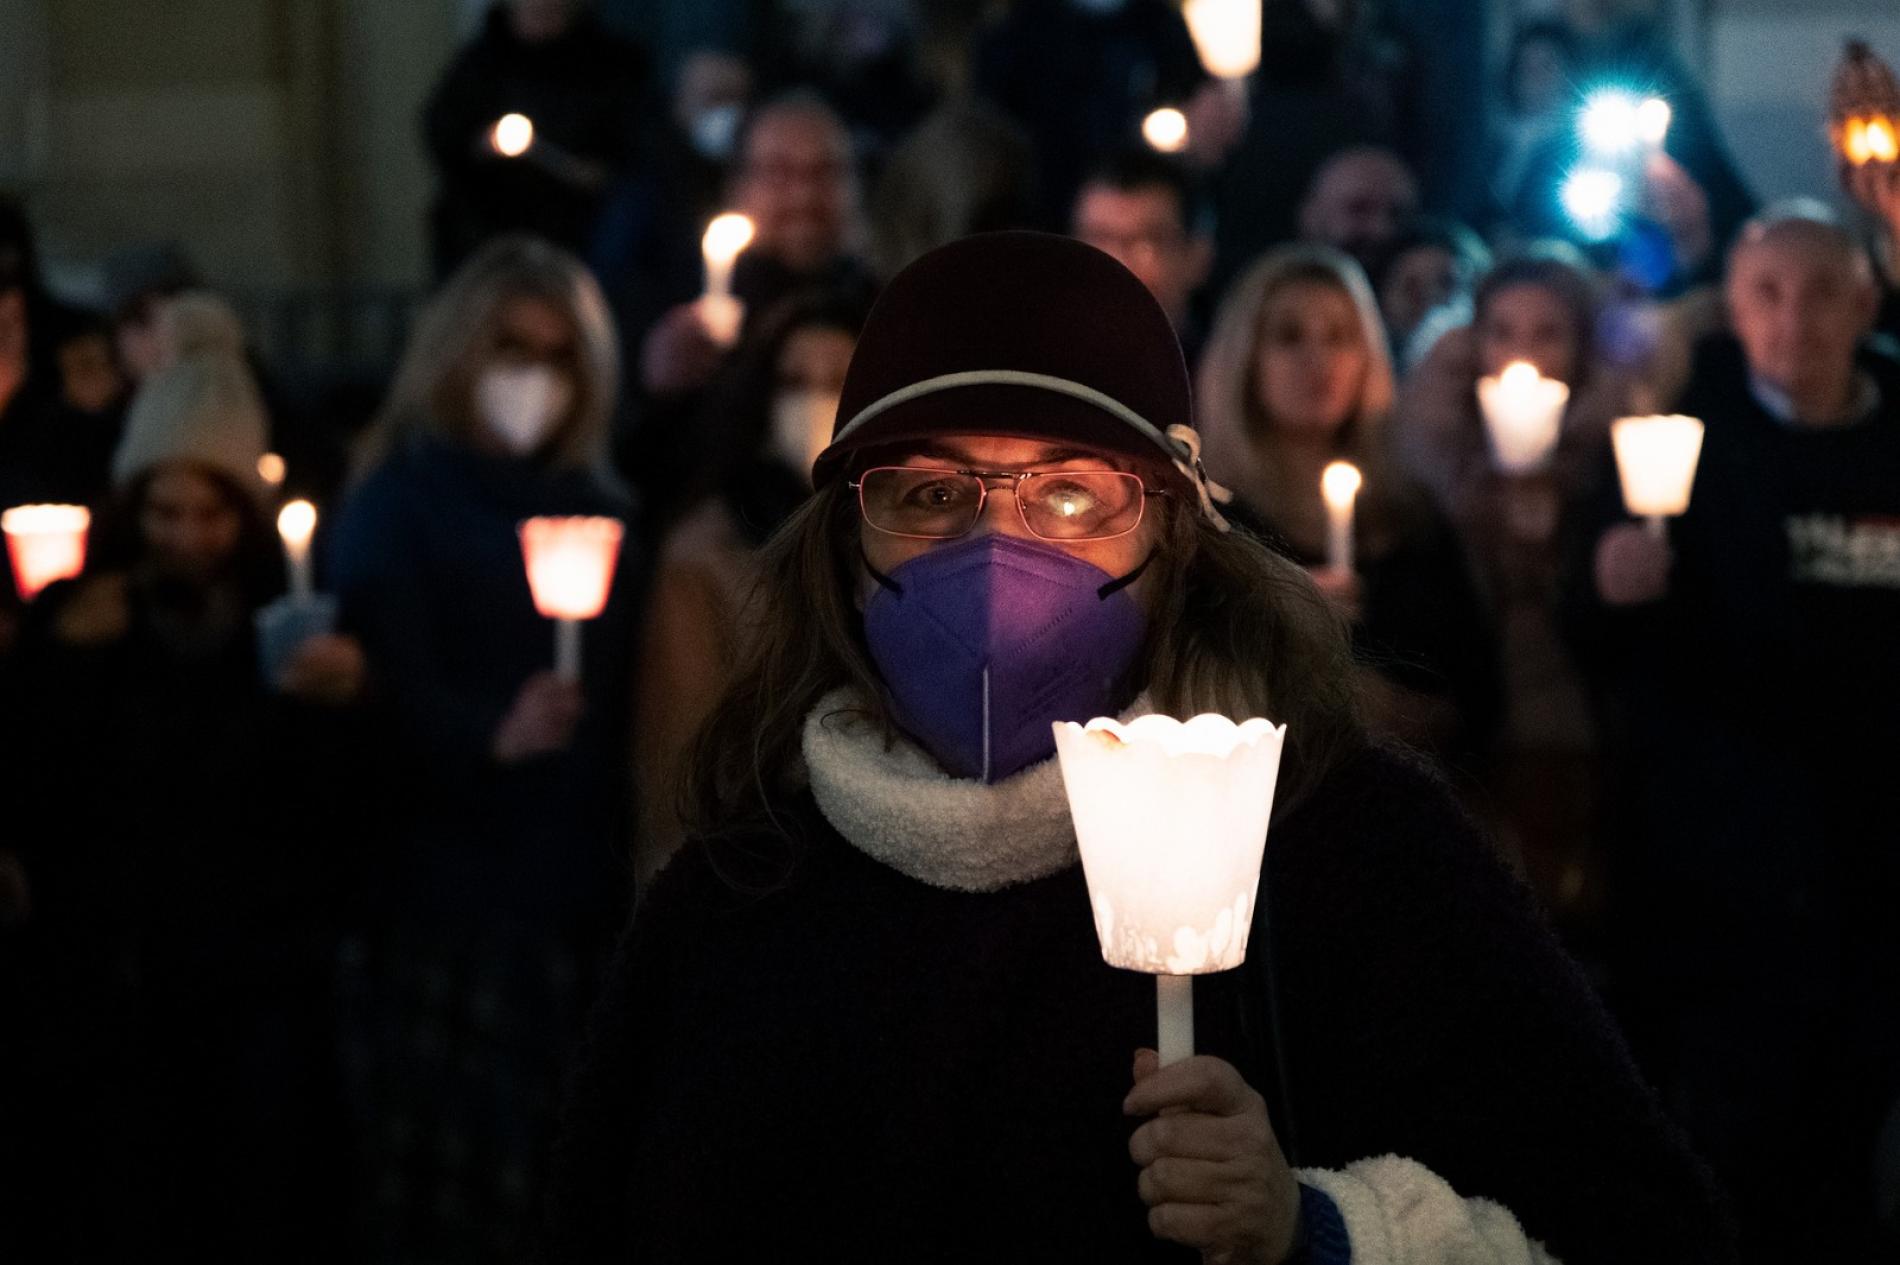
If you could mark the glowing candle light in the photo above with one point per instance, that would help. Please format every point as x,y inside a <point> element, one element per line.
<point>1339,484</point>
<point>1226,34</point>
<point>46,543</point>
<point>512,136</point>
<point>1864,107</point>
<point>1171,821</point>
<point>726,238</point>
<point>571,565</point>
<point>1656,461</point>
<point>272,470</point>
<point>1166,130</point>
<point>1883,146</point>
<point>297,523</point>
<point>1523,415</point>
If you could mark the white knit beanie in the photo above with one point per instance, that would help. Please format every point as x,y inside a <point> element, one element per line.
<point>202,405</point>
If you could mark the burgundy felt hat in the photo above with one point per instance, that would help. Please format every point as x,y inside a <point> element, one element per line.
<point>1022,335</point>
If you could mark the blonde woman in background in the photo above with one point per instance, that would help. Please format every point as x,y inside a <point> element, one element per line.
<point>505,871</point>
<point>1297,375</point>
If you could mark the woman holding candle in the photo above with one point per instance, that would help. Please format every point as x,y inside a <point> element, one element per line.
<point>776,413</point>
<point>1510,481</point>
<point>1297,376</point>
<point>505,870</point>
<point>178,823</point>
<point>865,1008</point>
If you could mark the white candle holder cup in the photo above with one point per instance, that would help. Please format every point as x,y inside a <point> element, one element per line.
<point>1523,418</point>
<point>1656,460</point>
<point>1171,820</point>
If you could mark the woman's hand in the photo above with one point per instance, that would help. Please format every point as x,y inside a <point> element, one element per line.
<point>328,669</point>
<point>1212,1173</point>
<point>541,721</point>
<point>1342,587</point>
<point>1632,565</point>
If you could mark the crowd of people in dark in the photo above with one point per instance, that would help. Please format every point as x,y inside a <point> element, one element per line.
<point>303,916</point>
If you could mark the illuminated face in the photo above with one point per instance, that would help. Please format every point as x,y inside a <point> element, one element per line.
<point>1312,360</point>
<point>1143,231</point>
<point>1528,322</point>
<point>1800,305</point>
<point>189,524</point>
<point>1117,556</point>
<point>797,183</point>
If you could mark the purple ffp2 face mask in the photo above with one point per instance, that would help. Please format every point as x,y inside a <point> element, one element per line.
<point>985,643</point>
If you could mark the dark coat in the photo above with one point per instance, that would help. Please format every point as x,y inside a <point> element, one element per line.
<point>860,1062</point>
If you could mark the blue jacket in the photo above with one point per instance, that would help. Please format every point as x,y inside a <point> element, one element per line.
<point>426,560</point>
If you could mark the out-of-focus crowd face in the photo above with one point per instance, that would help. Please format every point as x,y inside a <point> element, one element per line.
<point>1416,282</point>
<point>797,183</point>
<point>188,523</point>
<point>1144,230</point>
<point>808,379</point>
<point>1800,298</point>
<point>1360,202</point>
<point>537,21</point>
<point>1528,322</point>
<point>1312,362</point>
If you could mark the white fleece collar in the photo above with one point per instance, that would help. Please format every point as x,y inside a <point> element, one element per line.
<point>898,807</point>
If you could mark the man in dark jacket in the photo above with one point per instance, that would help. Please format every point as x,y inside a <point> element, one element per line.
<point>582,90</point>
<point>1753,650</point>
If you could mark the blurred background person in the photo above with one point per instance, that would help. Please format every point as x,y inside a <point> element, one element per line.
<point>1749,651</point>
<point>776,409</point>
<point>185,842</point>
<point>1536,108</point>
<point>1150,214</point>
<point>1540,306</point>
<point>796,178</point>
<point>584,89</point>
<point>1079,76</point>
<point>965,169</point>
<point>1296,376</point>
<point>1361,201</point>
<point>505,871</point>
<point>1424,287</point>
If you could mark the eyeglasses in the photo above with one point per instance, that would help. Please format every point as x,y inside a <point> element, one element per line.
<point>928,504</point>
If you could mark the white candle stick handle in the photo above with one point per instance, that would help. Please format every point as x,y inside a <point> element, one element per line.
<point>1657,525</point>
<point>1174,997</point>
<point>301,583</point>
<point>567,649</point>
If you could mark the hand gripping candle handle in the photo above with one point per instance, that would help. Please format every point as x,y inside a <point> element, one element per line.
<point>1171,820</point>
<point>1656,461</point>
<point>570,565</point>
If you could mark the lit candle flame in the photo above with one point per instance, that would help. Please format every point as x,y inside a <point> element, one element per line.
<point>512,136</point>
<point>271,469</point>
<point>1340,484</point>
<point>725,238</point>
<point>296,523</point>
<point>1166,130</point>
<point>1226,34</point>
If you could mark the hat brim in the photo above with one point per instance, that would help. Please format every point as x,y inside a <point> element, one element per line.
<point>1006,411</point>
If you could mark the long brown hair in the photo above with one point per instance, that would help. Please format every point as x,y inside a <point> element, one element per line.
<point>1234,628</point>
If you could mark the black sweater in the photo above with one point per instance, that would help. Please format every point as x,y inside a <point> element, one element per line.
<point>880,1069</point>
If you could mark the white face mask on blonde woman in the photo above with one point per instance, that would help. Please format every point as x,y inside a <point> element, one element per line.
<point>520,405</point>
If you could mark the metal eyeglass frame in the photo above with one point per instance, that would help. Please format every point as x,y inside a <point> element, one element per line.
<point>1018,478</point>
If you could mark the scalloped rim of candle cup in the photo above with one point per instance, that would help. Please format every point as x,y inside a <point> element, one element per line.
<point>1207,734</point>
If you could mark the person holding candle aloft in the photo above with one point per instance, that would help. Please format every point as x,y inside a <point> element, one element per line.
<point>1295,376</point>
<point>1748,655</point>
<point>176,816</point>
<point>1513,483</point>
<point>505,868</point>
<point>866,1004</point>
